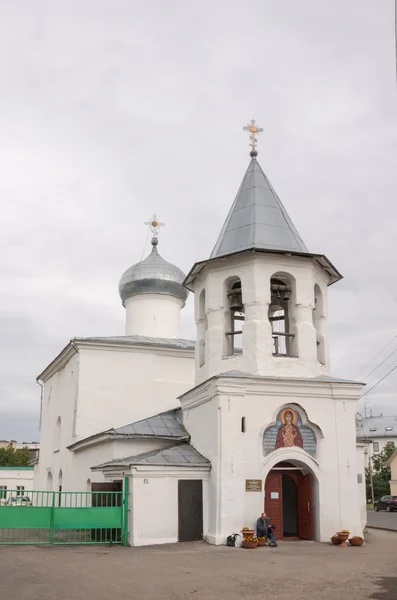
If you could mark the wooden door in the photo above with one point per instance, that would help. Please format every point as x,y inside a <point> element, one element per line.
<point>305,513</point>
<point>190,510</point>
<point>274,500</point>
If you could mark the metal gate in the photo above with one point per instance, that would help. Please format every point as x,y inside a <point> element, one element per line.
<point>36,517</point>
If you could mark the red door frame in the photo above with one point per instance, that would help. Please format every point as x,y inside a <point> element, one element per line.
<point>274,506</point>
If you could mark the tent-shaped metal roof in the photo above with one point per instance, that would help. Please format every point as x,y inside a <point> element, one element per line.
<point>257,219</point>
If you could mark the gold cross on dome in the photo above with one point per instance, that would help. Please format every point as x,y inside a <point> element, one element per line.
<point>253,131</point>
<point>154,226</point>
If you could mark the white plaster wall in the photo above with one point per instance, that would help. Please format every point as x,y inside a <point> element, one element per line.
<point>153,506</point>
<point>382,441</point>
<point>240,455</point>
<point>120,386</point>
<point>153,315</point>
<point>11,478</point>
<point>59,398</point>
<point>98,389</point>
<point>361,491</point>
<point>255,271</point>
<point>393,481</point>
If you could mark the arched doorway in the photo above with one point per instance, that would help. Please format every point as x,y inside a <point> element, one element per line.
<point>288,501</point>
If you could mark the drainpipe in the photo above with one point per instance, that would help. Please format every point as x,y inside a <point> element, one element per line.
<point>41,384</point>
<point>76,392</point>
<point>219,470</point>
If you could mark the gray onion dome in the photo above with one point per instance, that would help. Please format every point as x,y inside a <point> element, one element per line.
<point>154,275</point>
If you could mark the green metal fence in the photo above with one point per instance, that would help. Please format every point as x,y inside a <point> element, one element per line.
<point>41,517</point>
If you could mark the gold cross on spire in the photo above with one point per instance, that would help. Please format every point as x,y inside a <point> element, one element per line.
<point>154,227</point>
<point>253,131</point>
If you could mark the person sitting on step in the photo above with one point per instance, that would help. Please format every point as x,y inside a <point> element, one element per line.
<point>264,528</point>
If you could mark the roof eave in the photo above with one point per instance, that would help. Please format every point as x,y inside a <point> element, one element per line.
<point>321,259</point>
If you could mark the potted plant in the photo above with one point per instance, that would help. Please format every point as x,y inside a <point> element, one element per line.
<point>335,540</point>
<point>250,541</point>
<point>262,541</point>
<point>356,540</point>
<point>247,532</point>
<point>343,535</point>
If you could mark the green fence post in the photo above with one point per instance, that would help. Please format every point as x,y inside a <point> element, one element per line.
<point>125,511</point>
<point>52,517</point>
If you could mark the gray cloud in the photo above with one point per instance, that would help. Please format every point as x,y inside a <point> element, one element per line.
<point>112,111</point>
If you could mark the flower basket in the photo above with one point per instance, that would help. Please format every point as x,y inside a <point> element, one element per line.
<point>249,544</point>
<point>356,541</point>
<point>247,533</point>
<point>262,541</point>
<point>343,535</point>
<point>335,540</point>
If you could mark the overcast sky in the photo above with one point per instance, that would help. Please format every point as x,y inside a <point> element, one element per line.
<point>113,110</point>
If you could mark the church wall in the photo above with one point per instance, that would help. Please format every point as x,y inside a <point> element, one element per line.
<point>331,412</point>
<point>117,387</point>
<point>203,423</point>
<point>153,505</point>
<point>361,488</point>
<point>255,271</point>
<point>59,398</point>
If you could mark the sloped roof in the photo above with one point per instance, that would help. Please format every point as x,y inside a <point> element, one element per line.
<point>139,340</point>
<point>378,426</point>
<point>183,455</point>
<point>166,424</point>
<point>323,378</point>
<point>257,219</point>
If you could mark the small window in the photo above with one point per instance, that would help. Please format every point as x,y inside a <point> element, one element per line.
<point>242,424</point>
<point>20,490</point>
<point>372,428</point>
<point>388,428</point>
<point>376,446</point>
<point>3,491</point>
<point>359,478</point>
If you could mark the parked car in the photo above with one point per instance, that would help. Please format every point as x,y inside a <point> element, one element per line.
<point>388,503</point>
<point>19,501</point>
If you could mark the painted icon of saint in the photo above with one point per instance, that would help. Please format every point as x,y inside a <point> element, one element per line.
<point>288,434</point>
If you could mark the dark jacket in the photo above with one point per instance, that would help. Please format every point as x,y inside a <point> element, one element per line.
<point>263,527</point>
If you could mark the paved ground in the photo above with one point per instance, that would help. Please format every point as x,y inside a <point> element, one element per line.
<point>382,519</point>
<point>293,571</point>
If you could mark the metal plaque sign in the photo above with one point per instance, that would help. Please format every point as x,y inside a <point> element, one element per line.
<point>253,485</point>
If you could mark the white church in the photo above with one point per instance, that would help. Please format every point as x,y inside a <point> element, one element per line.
<point>211,433</point>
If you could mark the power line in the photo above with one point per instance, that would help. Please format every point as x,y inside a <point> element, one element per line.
<point>380,381</point>
<point>380,352</point>
<point>380,364</point>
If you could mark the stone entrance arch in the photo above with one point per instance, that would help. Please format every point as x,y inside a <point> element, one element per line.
<point>292,497</point>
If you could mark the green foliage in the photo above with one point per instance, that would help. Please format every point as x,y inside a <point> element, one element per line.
<point>380,472</point>
<point>14,457</point>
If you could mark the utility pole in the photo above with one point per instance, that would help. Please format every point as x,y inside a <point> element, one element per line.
<point>371,474</point>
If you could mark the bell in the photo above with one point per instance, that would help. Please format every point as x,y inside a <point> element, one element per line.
<point>236,304</point>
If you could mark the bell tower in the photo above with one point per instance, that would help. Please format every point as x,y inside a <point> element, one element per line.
<point>261,297</point>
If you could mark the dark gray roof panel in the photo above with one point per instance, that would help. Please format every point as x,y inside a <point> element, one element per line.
<point>183,455</point>
<point>378,426</point>
<point>257,219</point>
<point>166,424</point>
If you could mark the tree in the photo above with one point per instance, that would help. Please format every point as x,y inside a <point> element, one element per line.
<point>380,472</point>
<point>14,457</point>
